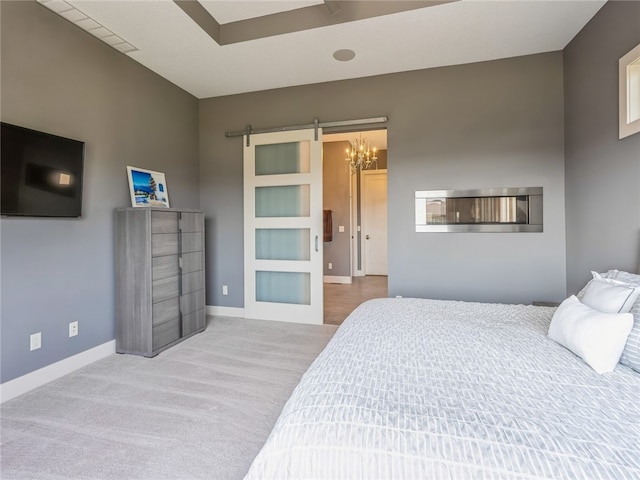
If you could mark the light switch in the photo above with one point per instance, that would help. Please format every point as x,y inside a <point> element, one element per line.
<point>341,228</point>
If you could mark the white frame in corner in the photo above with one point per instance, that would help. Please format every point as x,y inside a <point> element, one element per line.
<point>629,91</point>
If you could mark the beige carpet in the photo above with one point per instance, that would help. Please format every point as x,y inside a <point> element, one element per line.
<point>201,409</point>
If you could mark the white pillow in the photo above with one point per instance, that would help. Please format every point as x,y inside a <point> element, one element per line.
<point>610,296</point>
<point>596,337</point>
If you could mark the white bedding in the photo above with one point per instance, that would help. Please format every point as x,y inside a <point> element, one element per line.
<point>419,389</point>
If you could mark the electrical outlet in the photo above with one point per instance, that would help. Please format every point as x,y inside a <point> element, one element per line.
<point>36,341</point>
<point>73,329</point>
<point>330,266</point>
<point>225,290</point>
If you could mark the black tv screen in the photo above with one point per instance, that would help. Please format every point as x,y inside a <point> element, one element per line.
<point>41,174</point>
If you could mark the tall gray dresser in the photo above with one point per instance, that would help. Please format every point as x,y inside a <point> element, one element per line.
<point>160,298</point>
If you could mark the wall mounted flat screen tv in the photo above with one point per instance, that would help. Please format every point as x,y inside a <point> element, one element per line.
<point>41,174</point>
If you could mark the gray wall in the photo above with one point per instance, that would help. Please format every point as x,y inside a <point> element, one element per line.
<point>603,172</point>
<point>492,124</point>
<point>58,79</point>
<point>336,197</point>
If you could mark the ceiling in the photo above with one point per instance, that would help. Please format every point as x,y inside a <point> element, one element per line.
<point>212,47</point>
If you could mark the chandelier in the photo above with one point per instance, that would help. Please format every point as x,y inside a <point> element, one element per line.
<point>361,155</point>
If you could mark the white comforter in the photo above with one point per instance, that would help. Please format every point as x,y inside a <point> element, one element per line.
<point>420,389</point>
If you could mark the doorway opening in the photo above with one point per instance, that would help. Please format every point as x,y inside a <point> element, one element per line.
<point>356,200</point>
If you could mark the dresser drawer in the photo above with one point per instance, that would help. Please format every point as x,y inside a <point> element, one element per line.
<point>193,321</point>
<point>164,244</point>
<point>165,288</point>
<point>166,333</point>
<point>192,282</point>
<point>192,262</point>
<point>166,310</point>
<point>192,242</point>
<point>191,222</point>
<point>192,302</point>
<point>164,222</point>
<point>165,266</point>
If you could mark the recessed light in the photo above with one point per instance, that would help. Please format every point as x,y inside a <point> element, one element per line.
<point>344,55</point>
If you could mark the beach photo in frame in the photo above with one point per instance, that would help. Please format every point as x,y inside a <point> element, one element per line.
<point>147,188</point>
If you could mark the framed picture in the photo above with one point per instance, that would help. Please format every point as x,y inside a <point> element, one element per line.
<point>147,188</point>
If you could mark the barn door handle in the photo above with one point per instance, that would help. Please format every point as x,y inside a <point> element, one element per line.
<point>316,243</point>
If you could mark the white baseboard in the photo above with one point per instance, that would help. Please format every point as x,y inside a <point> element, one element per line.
<point>44,375</point>
<point>225,311</point>
<point>332,279</point>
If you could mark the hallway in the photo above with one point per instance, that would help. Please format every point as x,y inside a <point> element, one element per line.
<point>341,299</point>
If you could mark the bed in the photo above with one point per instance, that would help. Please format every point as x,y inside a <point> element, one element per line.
<point>430,389</point>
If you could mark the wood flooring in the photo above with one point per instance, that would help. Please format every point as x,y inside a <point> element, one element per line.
<point>341,299</point>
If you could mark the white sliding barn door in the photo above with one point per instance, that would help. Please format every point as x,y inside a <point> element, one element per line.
<point>283,227</point>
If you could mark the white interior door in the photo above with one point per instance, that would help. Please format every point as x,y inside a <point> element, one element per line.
<point>374,221</point>
<point>283,227</point>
